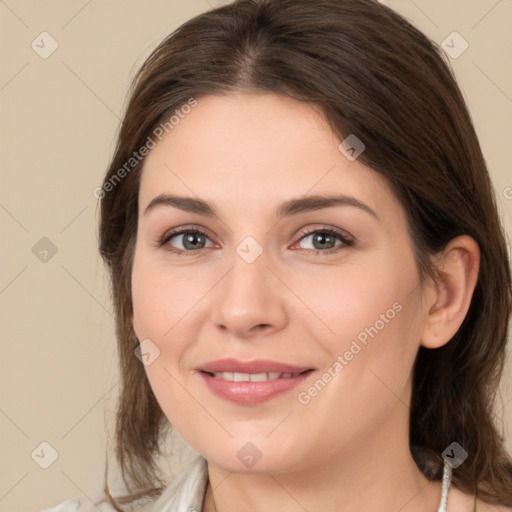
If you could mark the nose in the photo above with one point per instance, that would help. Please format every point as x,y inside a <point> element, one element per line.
<point>250,300</point>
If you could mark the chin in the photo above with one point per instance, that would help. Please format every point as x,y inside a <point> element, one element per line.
<point>253,457</point>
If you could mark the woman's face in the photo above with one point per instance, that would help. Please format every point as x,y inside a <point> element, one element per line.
<point>256,282</point>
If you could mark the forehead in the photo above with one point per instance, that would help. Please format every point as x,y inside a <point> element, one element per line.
<point>257,150</point>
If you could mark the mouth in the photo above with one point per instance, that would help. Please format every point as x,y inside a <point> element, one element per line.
<point>254,377</point>
<point>251,383</point>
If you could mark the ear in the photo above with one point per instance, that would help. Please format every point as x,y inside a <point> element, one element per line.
<point>449,299</point>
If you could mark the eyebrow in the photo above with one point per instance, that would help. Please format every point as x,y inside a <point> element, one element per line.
<point>288,208</point>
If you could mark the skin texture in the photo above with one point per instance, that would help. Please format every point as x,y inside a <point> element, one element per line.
<point>246,154</point>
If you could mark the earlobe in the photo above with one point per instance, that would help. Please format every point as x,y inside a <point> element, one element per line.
<point>457,269</point>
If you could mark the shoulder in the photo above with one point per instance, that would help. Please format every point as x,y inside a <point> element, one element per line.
<point>459,501</point>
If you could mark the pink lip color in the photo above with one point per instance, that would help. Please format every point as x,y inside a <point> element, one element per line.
<point>249,393</point>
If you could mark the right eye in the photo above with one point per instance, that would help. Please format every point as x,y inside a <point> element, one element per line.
<point>191,241</point>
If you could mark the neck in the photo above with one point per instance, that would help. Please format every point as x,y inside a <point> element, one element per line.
<point>374,473</point>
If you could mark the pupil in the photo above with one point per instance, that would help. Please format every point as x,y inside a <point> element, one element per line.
<point>189,239</point>
<point>322,237</point>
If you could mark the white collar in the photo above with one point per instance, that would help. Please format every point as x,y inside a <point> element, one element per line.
<point>186,492</point>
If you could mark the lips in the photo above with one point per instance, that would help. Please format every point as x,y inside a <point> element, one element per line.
<point>252,382</point>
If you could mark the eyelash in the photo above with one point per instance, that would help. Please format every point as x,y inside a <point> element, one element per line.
<point>346,242</point>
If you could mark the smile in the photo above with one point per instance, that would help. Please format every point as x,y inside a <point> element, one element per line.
<point>252,388</point>
<point>252,377</point>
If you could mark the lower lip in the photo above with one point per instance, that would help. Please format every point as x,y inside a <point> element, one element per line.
<point>249,393</point>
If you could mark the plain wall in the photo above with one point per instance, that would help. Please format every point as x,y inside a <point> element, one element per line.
<point>59,117</point>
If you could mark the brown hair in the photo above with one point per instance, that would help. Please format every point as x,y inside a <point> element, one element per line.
<point>374,75</point>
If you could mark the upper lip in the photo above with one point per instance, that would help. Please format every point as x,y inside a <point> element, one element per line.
<point>257,366</point>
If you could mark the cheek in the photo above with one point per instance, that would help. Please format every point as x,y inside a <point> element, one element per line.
<point>370,357</point>
<point>163,299</point>
<point>167,306</point>
<point>374,315</point>
<point>152,308</point>
<point>363,302</point>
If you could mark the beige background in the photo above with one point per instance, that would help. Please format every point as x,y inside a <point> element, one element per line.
<point>59,116</point>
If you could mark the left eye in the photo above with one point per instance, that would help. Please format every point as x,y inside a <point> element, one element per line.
<point>324,240</point>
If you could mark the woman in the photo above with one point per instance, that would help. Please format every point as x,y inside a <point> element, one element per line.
<point>308,264</point>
